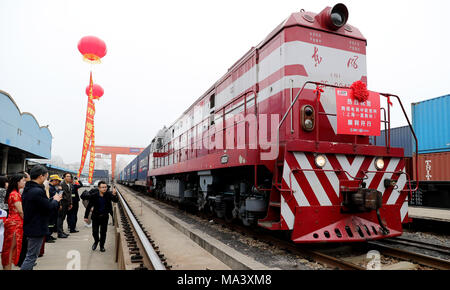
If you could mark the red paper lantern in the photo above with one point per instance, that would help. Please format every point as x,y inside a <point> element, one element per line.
<point>92,48</point>
<point>97,91</point>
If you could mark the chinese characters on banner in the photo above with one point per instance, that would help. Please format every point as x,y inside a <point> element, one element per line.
<point>357,118</point>
<point>89,127</point>
<point>88,140</point>
<point>92,157</point>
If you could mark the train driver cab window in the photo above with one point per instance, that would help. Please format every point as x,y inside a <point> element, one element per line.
<point>159,143</point>
<point>212,104</point>
<point>212,101</point>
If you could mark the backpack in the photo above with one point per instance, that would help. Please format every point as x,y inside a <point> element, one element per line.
<point>86,195</point>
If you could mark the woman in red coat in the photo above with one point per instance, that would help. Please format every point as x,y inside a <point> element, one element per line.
<point>12,244</point>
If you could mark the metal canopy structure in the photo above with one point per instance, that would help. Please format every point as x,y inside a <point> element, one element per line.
<point>114,151</point>
<point>21,136</point>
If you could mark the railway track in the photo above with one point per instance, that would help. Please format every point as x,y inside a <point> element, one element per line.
<point>309,254</point>
<point>333,261</point>
<point>323,257</point>
<point>419,244</point>
<point>141,247</point>
<point>289,247</point>
<point>422,259</point>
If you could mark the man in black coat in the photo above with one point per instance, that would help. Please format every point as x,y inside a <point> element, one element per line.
<point>72,213</point>
<point>100,200</point>
<point>65,204</point>
<point>37,208</point>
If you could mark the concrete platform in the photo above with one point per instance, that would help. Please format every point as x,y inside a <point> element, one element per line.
<point>226,254</point>
<point>441,215</point>
<point>75,253</point>
<point>181,252</point>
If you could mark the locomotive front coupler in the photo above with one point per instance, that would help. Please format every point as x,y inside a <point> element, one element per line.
<point>358,199</point>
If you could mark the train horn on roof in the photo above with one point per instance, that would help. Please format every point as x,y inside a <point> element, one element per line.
<point>334,17</point>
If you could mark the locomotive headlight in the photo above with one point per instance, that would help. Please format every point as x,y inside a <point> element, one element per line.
<point>307,118</point>
<point>379,163</point>
<point>320,161</point>
<point>309,124</point>
<point>339,15</point>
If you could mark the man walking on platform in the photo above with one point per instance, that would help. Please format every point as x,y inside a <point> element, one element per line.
<point>37,208</point>
<point>100,200</point>
<point>65,204</point>
<point>72,213</point>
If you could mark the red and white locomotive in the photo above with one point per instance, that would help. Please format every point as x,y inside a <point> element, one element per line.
<point>262,144</point>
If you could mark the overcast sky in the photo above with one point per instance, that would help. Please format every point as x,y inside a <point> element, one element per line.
<point>162,55</point>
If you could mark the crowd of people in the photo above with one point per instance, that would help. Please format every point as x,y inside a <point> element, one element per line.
<point>34,206</point>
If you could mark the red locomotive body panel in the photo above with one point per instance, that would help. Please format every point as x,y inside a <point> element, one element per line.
<point>304,198</point>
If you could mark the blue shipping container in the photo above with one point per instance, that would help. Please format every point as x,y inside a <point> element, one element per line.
<point>133,169</point>
<point>127,172</point>
<point>400,137</point>
<point>143,164</point>
<point>431,122</point>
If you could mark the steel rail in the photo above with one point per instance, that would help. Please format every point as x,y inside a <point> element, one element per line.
<point>151,253</point>
<point>419,244</point>
<point>297,249</point>
<point>426,260</point>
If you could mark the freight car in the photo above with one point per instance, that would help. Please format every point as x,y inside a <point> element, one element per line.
<point>282,142</point>
<point>431,121</point>
<point>144,162</point>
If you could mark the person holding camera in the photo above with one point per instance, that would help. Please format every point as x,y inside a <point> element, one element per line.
<point>100,200</point>
<point>37,208</point>
<point>54,188</point>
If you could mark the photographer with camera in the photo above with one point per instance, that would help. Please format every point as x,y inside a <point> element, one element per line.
<point>37,208</point>
<point>54,188</point>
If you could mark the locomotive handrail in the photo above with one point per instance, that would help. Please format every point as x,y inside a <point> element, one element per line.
<point>317,117</point>
<point>347,173</point>
<point>395,172</point>
<point>416,155</point>
<point>293,103</point>
<point>171,151</point>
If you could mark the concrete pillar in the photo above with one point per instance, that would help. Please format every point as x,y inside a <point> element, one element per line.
<point>24,159</point>
<point>4,161</point>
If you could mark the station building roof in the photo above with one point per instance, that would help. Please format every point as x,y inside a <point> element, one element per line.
<point>22,131</point>
<point>55,168</point>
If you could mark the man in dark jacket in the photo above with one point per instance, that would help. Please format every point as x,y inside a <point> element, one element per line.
<point>65,204</point>
<point>72,213</point>
<point>54,188</point>
<point>37,208</point>
<point>101,202</point>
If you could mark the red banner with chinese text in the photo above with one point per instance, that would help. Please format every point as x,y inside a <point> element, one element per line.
<point>89,129</point>
<point>92,157</point>
<point>357,118</point>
